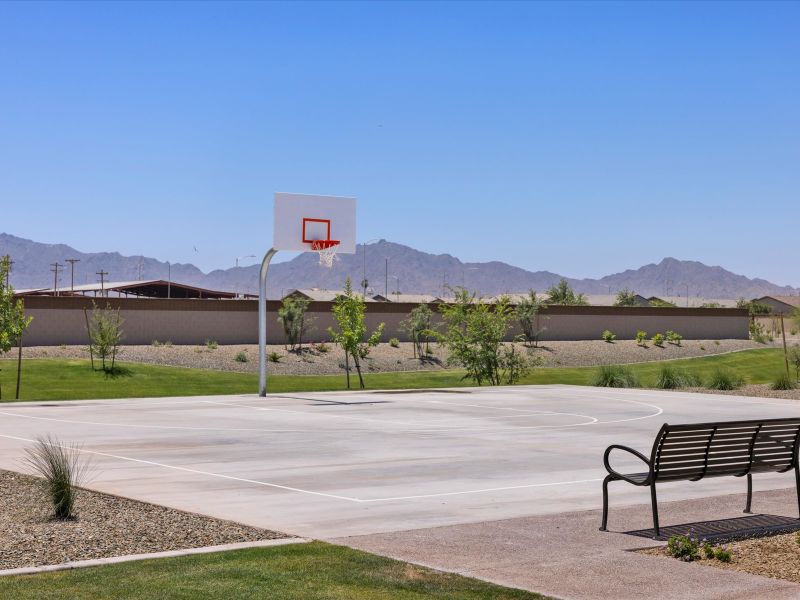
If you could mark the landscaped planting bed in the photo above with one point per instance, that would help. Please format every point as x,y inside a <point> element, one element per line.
<point>776,556</point>
<point>104,526</point>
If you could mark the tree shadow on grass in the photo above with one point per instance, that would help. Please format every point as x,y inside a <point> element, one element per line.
<point>116,372</point>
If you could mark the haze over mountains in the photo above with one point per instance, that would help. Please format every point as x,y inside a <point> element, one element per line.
<point>409,270</point>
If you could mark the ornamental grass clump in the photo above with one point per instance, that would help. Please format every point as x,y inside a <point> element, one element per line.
<point>783,382</point>
<point>724,379</point>
<point>615,376</point>
<point>62,469</point>
<point>673,378</point>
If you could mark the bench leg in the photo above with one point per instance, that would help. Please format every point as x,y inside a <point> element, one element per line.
<point>605,502</point>
<point>749,492</point>
<point>797,484</point>
<point>654,502</point>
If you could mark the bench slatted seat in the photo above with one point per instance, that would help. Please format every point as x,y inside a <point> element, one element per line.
<point>692,452</point>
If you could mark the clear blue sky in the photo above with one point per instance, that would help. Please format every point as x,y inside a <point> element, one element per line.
<point>579,138</point>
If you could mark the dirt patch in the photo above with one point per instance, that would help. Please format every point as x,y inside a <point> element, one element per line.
<point>776,556</point>
<point>105,526</point>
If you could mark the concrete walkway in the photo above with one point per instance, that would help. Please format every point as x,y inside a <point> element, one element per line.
<point>565,555</point>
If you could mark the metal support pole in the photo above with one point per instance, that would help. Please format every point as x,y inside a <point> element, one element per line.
<point>262,322</point>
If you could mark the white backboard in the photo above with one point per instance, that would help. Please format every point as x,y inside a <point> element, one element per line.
<point>301,219</point>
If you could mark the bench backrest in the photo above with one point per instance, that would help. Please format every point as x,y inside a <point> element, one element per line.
<point>682,452</point>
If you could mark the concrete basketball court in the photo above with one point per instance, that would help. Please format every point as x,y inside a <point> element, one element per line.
<point>335,465</point>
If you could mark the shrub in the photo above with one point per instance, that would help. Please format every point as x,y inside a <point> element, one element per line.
<point>608,336</point>
<point>723,554</point>
<point>794,358</point>
<point>783,382</point>
<point>212,344</point>
<point>684,547</point>
<point>724,379</point>
<point>156,344</point>
<point>292,315</point>
<point>394,343</point>
<point>658,340</point>
<point>703,348</point>
<point>474,334</point>
<point>527,314</point>
<point>758,333</point>
<point>274,357</point>
<point>614,376</point>
<point>641,338</point>
<point>674,338</point>
<point>241,357</point>
<point>672,378</point>
<point>62,468</point>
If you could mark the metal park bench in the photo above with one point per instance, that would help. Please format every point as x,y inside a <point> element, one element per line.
<point>696,451</point>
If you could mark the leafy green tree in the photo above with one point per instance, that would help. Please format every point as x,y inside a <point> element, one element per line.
<point>349,311</point>
<point>295,321</point>
<point>419,327</point>
<point>474,334</point>
<point>13,321</point>
<point>527,314</point>
<point>625,297</point>
<point>562,293</point>
<point>659,303</point>
<point>754,307</point>
<point>105,333</point>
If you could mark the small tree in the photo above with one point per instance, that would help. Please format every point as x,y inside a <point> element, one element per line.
<point>562,293</point>
<point>419,327</point>
<point>13,321</point>
<point>292,315</point>
<point>796,317</point>
<point>349,311</point>
<point>105,333</point>
<point>474,334</point>
<point>625,297</point>
<point>527,315</point>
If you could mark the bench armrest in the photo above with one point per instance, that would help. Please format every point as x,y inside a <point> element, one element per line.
<point>638,455</point>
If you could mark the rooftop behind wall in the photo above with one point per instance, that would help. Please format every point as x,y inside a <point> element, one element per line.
<point>60,320</point>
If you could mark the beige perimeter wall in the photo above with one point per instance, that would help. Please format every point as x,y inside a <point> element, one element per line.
<point>62,321</point>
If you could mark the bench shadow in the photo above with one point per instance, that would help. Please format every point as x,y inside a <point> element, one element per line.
<point>723,530</point>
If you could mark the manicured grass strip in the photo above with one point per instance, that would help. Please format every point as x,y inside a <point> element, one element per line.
<point>51,379</point>
<point>314,571</point>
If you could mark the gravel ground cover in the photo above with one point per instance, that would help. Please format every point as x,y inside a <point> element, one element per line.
<point>385,358</point>
<point>105,526</point>
<point>758,390</point>
<point>776,556</point>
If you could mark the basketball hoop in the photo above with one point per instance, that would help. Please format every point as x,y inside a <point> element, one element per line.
<point>326,249</point>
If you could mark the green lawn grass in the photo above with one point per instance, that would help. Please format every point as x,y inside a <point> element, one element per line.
<point>314,571</point>
<point>54,379</point>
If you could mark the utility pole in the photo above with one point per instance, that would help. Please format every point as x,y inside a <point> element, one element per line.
<point>169,280</point>
<point>9,262</point>
<point>386,278</point>
<point>102,275</point>
<point>72,262</point>
<point>56,266</point>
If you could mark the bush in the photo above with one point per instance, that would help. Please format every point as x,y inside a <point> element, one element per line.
<point>723,554</point>
<point>615,376</point>
<point>62,468</point>
<point>758,333</point>
<point>322,347</point>
<point>608,336</point>
<point>641,338</point>
<point>658,340</point>
<point>683,547</point>
<point>274,357</point>
<point>394,343</point>
<point>783,382</point>
<point>672,378</point>
<point>292,315</point>
<point>674,338</point>
<point>724,379</point>
<point>241,357</point>
<point>212,344</point>
<point>625,297</point>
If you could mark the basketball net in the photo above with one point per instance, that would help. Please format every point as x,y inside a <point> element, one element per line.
<point>326,249</point>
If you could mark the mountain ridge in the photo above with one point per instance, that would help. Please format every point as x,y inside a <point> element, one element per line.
<point>388,266</point>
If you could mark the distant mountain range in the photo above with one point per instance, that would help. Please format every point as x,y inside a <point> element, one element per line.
<point>409,270</point>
